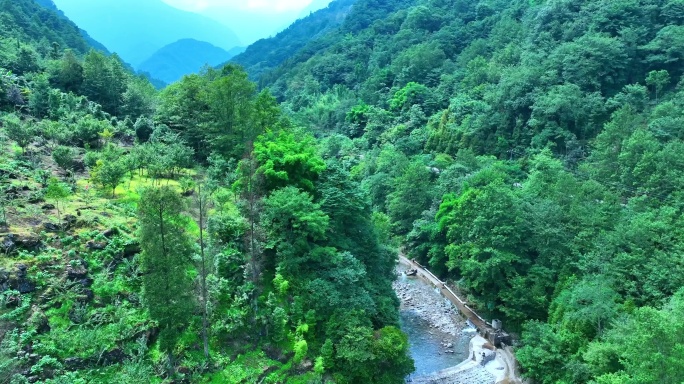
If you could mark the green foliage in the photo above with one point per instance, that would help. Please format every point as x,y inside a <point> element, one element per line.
<point>21,132</point>
<point>9,363</point>
<point>300,350</point>
<point>58,192</point>
<point>165,261</point>
<point>413,93</point>
<point>288,158</point>
<point>108,173</point>
<point>64,157</point>
<point>39,100</point>
<point>104,81</point>
<point>218,111</point>
<point>513,146</point>
<point>658,80</point>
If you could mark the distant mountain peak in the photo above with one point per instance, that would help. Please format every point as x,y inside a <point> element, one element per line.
<point>184,57</point>
<point>137,29</point>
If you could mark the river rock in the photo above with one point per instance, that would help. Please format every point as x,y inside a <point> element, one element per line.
<point>429,306</point>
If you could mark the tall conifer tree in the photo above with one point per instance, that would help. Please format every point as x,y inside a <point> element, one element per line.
<point>165,260</point>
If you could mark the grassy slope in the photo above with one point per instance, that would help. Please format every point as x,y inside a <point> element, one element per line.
<point>84,320</point>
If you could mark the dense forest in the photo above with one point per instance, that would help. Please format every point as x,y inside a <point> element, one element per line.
<point>227,231</point>
<point>529,152</point>
<point>190,235</point>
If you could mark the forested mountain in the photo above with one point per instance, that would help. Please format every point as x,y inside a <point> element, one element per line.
<point>528,151</point>
<point>137,29</point>
<point>19,26</point>
<point>267,54</point>
<point>49,4</point>
<point>190,235</point>
<point>225,231</point>
<point>183,57</point>
<point>313,7</point>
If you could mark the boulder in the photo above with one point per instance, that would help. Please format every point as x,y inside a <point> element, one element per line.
<point>69,221</point>
<point>78,165</point>
<point>95,245</point>
<point>4,280</point>
<point>50,227</point>
<point>22,284</point>
<point>75,363</point>
<point>131,250</point>
<point>76,273</point>
<point>8,244</point>
<point>30,243</point>
<point>115,356</point>
<point>111,232</point>
<point>9,174</point>
<point>26,242</point>
<point>21,270</point>
<point>35,198</point>
<point>88,295</point>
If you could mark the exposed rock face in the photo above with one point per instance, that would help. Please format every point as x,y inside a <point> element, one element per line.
<point>95,245</point>
<point>14,242</point>
<point>22,283</point>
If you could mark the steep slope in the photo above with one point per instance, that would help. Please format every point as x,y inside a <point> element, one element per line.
<point>41,25</point>
<point>49,4</point>
<point>183,57</point>
<point>101,253</point>
<point>267,54</point>
<point>136,29</point>
<point>528,151</point>
<point>313,7</point>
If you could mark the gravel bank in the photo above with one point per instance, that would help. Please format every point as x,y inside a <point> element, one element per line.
<point>429,306</point>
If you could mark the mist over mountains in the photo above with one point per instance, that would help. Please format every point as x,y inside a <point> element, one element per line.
<point>168,39</point>
<point>137,29</point>
<point>184,56</point>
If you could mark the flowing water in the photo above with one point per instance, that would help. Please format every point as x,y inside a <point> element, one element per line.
<point>428,345</point>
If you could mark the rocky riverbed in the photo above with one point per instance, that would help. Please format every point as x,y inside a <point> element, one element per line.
<point>429,305</point>
<point>438,335</point>
<point>444,347</point>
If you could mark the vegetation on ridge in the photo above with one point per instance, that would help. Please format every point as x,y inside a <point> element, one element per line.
<point>528,151</point>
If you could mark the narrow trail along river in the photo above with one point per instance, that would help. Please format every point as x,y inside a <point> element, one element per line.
<point>438,336</point>
<point>445,346</point>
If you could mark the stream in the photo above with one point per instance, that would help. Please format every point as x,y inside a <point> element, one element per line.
<point>438,335</point>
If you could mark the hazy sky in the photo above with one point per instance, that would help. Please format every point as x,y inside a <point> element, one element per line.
<point>266,6</point>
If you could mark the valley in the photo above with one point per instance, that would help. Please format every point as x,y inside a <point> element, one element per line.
<point>251,220</point>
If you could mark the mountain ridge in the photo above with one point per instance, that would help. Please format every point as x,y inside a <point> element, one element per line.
<point>184,57</point>
<point>267,54</point>
<point>124,26</point>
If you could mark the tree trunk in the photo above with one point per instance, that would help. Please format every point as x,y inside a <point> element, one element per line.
<point>205,321</point>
